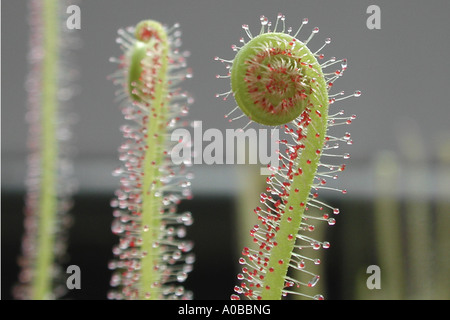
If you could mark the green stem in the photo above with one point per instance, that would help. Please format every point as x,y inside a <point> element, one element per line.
<point>42,282</point>
<point>151,217</point>
<point>290,223</point>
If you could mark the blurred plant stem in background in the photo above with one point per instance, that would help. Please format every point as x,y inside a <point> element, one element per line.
<point>442,234</point>
<point>417,217</point>
<point>411,219</point>
<point>50,85</point>
<point>47,210</point>
<point>387,224</point>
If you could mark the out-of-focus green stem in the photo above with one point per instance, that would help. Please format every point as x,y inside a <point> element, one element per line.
<point>388,225</point>
<point>418,219</point>
<point>442,236</point>
<point>42,282</point>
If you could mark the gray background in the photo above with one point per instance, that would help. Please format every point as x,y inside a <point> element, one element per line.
<point>401,69</point>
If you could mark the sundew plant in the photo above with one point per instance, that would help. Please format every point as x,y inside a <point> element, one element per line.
<point>152,256</point>
<point>277,80</point>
